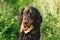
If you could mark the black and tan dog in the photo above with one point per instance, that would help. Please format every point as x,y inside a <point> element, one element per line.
<point>30,20</point>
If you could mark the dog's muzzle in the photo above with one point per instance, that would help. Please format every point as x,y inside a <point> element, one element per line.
<point>24,28</point>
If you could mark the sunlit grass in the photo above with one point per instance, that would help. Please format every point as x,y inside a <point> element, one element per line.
<point>49,9</point>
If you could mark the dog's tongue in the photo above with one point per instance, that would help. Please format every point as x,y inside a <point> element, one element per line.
<point>23,27</point>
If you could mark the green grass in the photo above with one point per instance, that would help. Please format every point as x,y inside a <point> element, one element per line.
<point>49,9</point>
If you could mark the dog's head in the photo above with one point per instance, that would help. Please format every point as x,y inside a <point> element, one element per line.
<point>29,16</point>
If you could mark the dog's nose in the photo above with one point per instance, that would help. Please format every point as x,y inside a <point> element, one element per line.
<point>25,22</point>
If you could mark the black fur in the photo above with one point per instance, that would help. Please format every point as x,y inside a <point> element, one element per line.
<point>35,33</point>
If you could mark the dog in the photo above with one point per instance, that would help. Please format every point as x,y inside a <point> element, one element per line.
<point>30,20</point>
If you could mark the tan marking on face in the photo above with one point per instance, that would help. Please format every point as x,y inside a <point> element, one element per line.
<point>30,11</point>
<point>30,22</point>
<point>26,10</point>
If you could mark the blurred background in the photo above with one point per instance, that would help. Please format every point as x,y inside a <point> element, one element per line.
<point>49,9</point>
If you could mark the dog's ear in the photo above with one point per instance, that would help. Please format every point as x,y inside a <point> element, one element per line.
<point>38,16</point>
<point>20,16</point>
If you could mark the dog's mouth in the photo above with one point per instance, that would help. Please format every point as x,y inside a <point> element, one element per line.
<point>26,27</point>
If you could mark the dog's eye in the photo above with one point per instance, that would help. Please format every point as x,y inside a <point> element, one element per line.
<point>26,11</point>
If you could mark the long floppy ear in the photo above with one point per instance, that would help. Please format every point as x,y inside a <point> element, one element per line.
<point>20,16</point>
<point>38,16</point>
